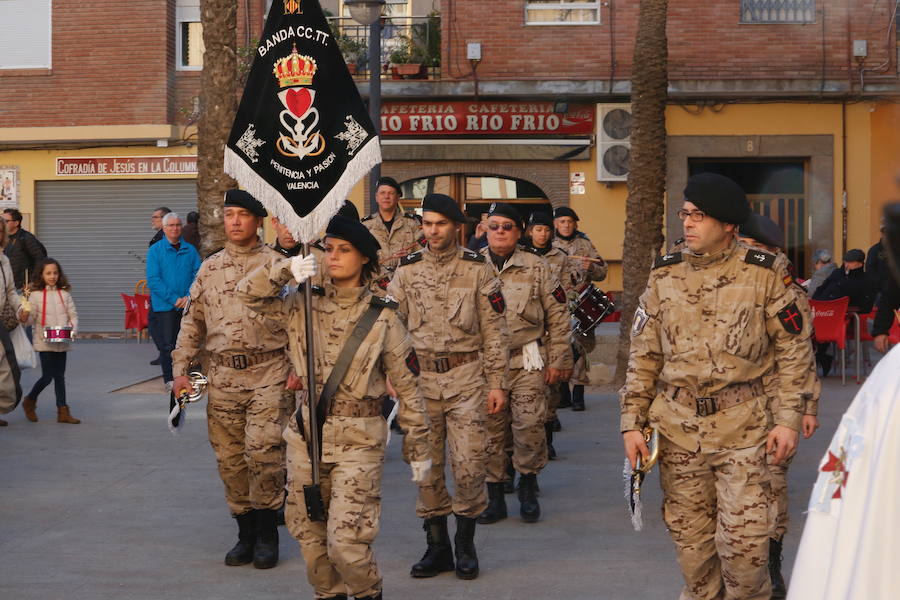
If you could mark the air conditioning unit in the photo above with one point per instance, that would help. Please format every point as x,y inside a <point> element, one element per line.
<point>614,141</point>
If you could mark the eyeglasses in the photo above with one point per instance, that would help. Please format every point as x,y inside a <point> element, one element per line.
<point>695,215</point>
<point>504,226</point>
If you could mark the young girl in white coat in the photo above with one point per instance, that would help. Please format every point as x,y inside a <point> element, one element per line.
<point>52,313</point>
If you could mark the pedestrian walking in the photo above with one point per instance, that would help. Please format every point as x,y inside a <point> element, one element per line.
<point>398,233</point>
<point>53,312</point>
<point>715,318</point>
<point>10,392</point>
<point>340,561</point>
<point>453,307</point>
<point>23,249</point>
<point>248,404</point>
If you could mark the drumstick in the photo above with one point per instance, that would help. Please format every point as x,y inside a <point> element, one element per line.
<point>587,258</point>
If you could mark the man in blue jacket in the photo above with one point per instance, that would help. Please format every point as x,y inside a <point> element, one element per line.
<point>172,264</point>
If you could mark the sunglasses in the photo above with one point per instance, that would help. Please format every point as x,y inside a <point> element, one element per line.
<point>504,227</point>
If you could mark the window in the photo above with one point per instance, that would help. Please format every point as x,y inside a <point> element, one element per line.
<point>188,36</point>
<point>778,11</point>
<point>25,43</point>
<point>562,12</point>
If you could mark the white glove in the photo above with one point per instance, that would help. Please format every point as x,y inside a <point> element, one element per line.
<point>420,469</point>
<point>303,267</point>
<point>531,357</point>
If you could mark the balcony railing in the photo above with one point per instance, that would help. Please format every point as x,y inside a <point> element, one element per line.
<point>410,46</point>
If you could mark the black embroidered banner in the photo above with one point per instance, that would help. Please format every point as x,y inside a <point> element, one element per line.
<point>302,136</point>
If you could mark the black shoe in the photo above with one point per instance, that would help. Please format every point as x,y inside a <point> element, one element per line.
<point>578,398</point>
<point>529,509</point>
<point>375,597</point>
<point>509,486</point>
<point>826,360</point>
<point>779,590</point>
<point>548,431</point>
<point>242,553</point>
<point>565,397</point>
<point>438,556</point>
<point>279,516</point>
<point>556,425</point>
<point>338,597</point>
<point>265,552</point>
<point>496,508</point>
<point>155,362</point>
<point>464,540</point>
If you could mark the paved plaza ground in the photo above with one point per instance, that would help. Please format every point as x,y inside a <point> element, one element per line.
<point>118,508</point>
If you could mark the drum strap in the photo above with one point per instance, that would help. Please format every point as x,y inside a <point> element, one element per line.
<point>44,308</point>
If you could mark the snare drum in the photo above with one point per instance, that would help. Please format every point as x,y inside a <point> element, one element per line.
<point>57,334</point>
<point>592,307</point>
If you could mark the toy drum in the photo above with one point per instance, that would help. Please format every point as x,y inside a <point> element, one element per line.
<point>58,334</point>
<point>592,307</point>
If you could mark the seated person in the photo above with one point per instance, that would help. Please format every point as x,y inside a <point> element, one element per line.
<point>850,280</point>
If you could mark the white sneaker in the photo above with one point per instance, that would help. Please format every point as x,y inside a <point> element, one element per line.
<point>168,387</point>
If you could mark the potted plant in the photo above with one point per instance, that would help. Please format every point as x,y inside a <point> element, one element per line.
<point>353,50</point>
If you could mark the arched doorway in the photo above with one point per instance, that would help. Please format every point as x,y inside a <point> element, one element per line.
<point>475,193</point>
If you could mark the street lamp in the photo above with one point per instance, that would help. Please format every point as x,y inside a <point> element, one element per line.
<point>368,12</point>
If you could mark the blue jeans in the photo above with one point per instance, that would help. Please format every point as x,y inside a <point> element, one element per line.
<point>53,368</point>
<point>168,324</point>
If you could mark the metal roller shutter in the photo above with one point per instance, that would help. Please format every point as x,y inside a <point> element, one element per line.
<point>99,231</point>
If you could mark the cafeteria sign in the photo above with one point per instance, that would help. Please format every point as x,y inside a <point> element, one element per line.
<point>484,118</point>
<point>112,166</point>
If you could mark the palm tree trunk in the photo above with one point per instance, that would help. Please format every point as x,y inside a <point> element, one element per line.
<point>647,175</point>
<point>218,104</point>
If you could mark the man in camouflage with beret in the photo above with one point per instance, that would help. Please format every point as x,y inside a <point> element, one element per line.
<point>535,311</point>
<point>452,305</point>
<point>714,320</point>
<point>248,403</point>
<point>398,233</point>
<point>586,266</point>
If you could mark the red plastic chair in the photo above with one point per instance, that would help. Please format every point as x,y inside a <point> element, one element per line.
<point>830,325</point>
<point>864,336</point>
<point>132,320</point>
<point>894,333</point>
<point>143,311</point>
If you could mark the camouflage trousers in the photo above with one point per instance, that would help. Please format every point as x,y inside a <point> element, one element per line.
<point>584,345</point>
<point>245,434</point>
<point>338,553</point>
<point>780,493</point>
<point>455,402</point>
<point>718,508</point>
<point>523,420</point>
<point>554,396</point>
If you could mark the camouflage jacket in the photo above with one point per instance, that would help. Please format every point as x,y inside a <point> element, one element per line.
<point>580,245</point>
<point>536,306</point>
<point>385,351</point>
<point>404,237</point>
<point>563,267</point>
<point>705,323</point>
<point>451,302</point>
<point>216,320</point>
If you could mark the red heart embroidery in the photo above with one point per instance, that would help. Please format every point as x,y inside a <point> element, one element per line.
<point>298,101</point>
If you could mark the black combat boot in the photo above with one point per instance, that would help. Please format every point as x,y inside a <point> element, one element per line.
<point>496,508</point>
<point>466,558</point>
<point>375,597</point>
<point>265,552</point>
<point>439,554</point>
<point>242,553</point>
<point>565,397</point>
<point>338,597</point>
<point>557,426</point>
<point>779,590</point>
<point>529,509</point>
<point>509,486</point>
<point>551,451</point>
<point>577,398</point>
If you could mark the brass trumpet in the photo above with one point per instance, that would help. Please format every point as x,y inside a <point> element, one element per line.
<point>635,477</point>
<point>199,383</point>
<point>651,438</point>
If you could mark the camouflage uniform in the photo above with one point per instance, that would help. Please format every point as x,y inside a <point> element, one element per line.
<point>574,283</point>
<point>248,405</point>
<point>405,234</point>
<point>712,326</point>
<point>536,307</point>
<point>338,553</point>
<point>461,340</point>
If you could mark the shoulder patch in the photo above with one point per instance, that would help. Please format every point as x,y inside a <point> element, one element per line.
<point>367,218</point>
<point>668,259</point>
<point>791,319</point>
<point>412,362</point>
<point>530,249</point>
<point>640,320</point>
<point>473,256</point>
<point>559,294</point>
<point>411,215</point>
<point>760,258</point>
<point>385,301</point>
<point>411,258</point>
<point>498,302</point>
<point>318,290</point>
<point>422,241</point>
<point>383,282</point>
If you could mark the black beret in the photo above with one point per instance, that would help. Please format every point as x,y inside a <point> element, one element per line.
<point>389,181</point>
<point>349,211</point>
<point>502,209</point>
<point>356,233</point>
<point>762,229</point>
<point>855,255</point>
<point>719,197</point>
<point>242,199</point>
<point>565,211</point>
<point>540,218</point>
<point>445,205</point>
